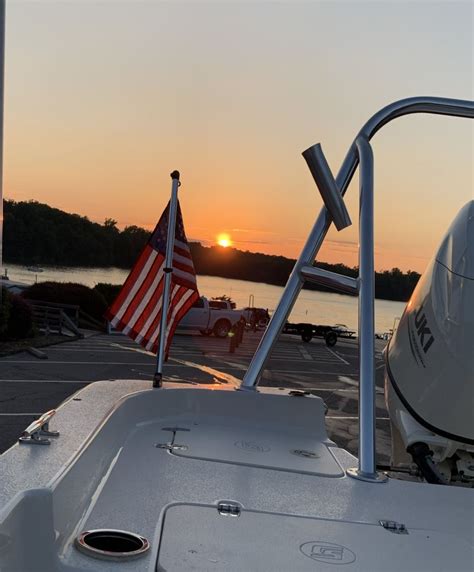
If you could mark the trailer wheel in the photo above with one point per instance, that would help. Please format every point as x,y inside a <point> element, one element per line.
<point>331,339</point>
<point>222,328</point>
<point>307,336</point>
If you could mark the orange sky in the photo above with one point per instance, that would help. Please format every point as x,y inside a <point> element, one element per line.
<point>104,100</point>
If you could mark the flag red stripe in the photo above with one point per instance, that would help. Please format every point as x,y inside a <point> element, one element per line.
<point>152,329</point>
<point>140,312</point>
<point>189,303</point>
<point>185,276</point>
<point>185,283</point>
<point>185,262</point>
<point>143,288</point>
<point>133,290</point>
<point>173,323</point>
<point>173,301</point>
<point>184,267</point>
<point>183,252</point>
<point>131,279</point>
<point>149,307</point>
<point>154,326</point>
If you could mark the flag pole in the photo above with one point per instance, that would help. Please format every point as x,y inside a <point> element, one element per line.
<point>168,270</point>
<point>2,74</point>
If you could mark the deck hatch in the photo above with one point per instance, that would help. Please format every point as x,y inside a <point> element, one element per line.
<point>196,537</point>
<point>266,448</point>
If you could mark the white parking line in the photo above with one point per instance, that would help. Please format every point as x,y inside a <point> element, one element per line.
<point>148,354</point>
<point>101,350</point>
<point>298,360</point>
<point>42,363</point>
<point>328,389</point>
<point>353,417</point>
<point>348,380</point>
<point>235,367</point>
<point>304,353</point>
<point>333,389</point>
<point>338,356</point>
<point>44,381</point>
<point>137,350</point>
<point>310,373</point>
<point>129,363</point>
<point>247,356</point>
<point>20,414</point>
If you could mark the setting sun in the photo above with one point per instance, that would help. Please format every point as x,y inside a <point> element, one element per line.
<point>224,240</point>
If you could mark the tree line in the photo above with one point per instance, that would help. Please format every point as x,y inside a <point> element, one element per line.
<point>35,233</point>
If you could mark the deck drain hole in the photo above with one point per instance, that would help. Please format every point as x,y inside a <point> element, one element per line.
<point>109,544</point>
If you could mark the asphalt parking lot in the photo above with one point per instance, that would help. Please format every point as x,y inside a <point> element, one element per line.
<point>30,386</point>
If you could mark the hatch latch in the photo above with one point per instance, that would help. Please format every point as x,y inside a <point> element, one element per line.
<point>226,508</point>
<point>171,445</point>
<point>395,527</point>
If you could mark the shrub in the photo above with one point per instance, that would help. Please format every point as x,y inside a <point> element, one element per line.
<point>5,308</point>
<point>20,321</point>
<point>16,317</point>
<point>108,291</point>
<point>89,300</point>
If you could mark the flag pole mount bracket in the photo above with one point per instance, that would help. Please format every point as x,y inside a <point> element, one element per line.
<point>158,379</point>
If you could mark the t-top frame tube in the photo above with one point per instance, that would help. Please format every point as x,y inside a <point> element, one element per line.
<point>367,469</point>
<point>433,105</point>
<point>367,463</point>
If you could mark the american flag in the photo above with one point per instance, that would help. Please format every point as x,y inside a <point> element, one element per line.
<point>137,309</point>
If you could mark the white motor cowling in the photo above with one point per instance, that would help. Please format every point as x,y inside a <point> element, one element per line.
<point>430,364</point>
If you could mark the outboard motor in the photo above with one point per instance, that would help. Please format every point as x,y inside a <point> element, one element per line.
<point>429,380</point>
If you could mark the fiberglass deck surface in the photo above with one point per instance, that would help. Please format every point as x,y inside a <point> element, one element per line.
<point>171,499</point>
<point>31,386</point>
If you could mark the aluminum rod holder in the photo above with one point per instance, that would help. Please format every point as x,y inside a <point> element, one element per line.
<point>329,279</point>
<point>327,186</point>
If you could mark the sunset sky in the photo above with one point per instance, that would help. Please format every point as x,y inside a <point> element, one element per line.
<point>104,99</point>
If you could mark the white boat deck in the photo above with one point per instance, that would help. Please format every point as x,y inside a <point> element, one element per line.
<point>296,512</point>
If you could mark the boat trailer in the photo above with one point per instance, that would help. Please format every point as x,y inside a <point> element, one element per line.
<point>310,331</point>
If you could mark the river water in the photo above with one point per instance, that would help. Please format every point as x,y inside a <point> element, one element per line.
<point>311,306</point>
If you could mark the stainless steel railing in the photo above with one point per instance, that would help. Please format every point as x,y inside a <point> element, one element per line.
<point>332,190</point>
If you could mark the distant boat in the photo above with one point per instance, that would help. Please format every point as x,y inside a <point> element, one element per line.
<point>34,269</point>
